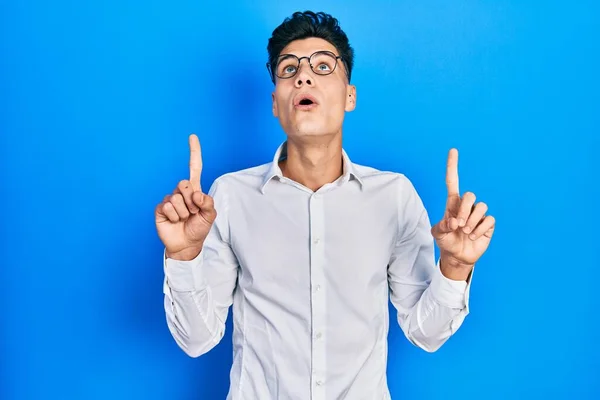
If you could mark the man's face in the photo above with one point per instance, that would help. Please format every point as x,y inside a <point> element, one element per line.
<point>332,94</point>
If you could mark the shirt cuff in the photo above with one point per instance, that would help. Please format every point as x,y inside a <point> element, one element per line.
<point>448,292</point>
<point>181,276</point>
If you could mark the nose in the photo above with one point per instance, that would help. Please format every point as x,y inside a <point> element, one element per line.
<point>304,74</point>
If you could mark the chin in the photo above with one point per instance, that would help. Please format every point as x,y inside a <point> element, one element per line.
<point>309,131</point>
<point>310,128</point>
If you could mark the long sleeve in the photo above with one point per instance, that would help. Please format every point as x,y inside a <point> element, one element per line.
<point>198,293</point>
<point>430,306</point>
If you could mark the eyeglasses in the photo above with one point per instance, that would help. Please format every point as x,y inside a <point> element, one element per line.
<point>321,63</point>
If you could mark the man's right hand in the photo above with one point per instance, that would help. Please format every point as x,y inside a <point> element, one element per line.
<point>184,218</point>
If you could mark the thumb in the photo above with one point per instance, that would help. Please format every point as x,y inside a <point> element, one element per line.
<point>444,227</point>
<point>206,205</point>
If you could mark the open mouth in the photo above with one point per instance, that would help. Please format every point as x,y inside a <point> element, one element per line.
<point>305,101</point>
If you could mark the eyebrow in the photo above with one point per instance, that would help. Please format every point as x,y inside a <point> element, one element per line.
<point>316,51</point>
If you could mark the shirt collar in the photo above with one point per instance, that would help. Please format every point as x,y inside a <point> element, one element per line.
<point>349,169</point>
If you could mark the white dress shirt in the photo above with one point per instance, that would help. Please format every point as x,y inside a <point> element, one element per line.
<point>309,275</point>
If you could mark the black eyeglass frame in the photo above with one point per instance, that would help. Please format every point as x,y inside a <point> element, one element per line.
<point>273,73</point>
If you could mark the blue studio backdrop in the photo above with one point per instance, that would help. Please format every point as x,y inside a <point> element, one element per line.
<point>97,100</point>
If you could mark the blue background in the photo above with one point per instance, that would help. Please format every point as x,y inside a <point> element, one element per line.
<point>97,101</point>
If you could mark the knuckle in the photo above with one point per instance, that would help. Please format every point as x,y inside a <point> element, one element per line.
<point>170,212</point>
<point>176,198</point>
<point>470,196</point>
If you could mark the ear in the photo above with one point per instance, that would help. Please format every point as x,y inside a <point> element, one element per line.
<point>350,98</point>
<point>275,112</point>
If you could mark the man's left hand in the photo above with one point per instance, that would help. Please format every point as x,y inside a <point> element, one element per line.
<point>465,231</point>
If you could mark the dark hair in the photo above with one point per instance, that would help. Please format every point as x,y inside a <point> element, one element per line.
<point>302,25</point>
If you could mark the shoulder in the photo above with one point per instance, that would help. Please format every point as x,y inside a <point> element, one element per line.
<point>395,181</point>
<point>247,178</point>
<point>392,185</point>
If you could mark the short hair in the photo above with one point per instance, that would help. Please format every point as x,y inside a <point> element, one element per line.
<point>302,25</point>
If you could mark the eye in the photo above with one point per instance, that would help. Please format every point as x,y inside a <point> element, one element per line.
<point>287,67</point>
<point>323,62</point>
<point>323,67</point>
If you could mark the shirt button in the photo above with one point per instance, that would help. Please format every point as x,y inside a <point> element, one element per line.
<point>316,241</point>
<point>319,335</point>
<point>319,383</point>
<point>317,288</point>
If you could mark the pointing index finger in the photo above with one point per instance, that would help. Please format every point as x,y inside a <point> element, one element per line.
<point>195,162</point>
<point>452,173</point>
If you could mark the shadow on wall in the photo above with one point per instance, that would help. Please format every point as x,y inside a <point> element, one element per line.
<point>251,135</point>
<point>247,141</point>
<point>139,312</point>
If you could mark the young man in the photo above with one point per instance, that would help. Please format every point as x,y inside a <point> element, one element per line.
<point>309,248</point>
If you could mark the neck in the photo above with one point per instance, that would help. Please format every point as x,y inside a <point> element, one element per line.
<point>313,163</point>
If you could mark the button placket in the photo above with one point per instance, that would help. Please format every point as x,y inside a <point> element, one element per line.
<point>318,303</point>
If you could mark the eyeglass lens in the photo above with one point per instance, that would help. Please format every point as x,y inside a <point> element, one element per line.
<point>322,63</point>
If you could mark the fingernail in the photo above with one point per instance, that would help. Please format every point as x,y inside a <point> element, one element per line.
<point>472,237</point>
<point>461,222</point>
<point>467,229</point>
